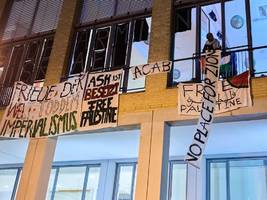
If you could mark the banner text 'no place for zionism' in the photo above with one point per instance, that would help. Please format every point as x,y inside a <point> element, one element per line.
<point>201,134</point>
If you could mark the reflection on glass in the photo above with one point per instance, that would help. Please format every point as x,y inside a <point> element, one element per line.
<point>70,183</point>
<point>185,33</point>
<point>218,181</point>
<point>183,70</point>
<point>50,184</point>
<point>7,182</point>
<point>211,22</point>
<point>235,23</point>
<point>178,182</point>
<point>125,182</point>
<point>92,183</point>
<point>260,61</point>
<point>258,9</point>
<point>248,180</point>
<point>139,53</point>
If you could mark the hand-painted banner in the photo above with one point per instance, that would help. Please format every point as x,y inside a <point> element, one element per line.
<point>100,102</point>
<point>207,108</point>
<point>83,102</point>
<point>43,111</point>
<point>152,68</point>
<point>232,94</point>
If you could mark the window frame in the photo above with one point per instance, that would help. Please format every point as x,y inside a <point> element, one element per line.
<point>226,160</point>
<point>117,178</point>
<point>109,54</point>
<point>17,167</point>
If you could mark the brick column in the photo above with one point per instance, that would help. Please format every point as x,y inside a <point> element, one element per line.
<point>37,166</point>
<point>160,42</point>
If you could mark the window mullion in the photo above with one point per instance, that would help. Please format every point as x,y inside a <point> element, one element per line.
<point>228,180</point>
<point>198,45</point>
<point>110,48</point>
<point>91,49</point>
<point>133,181</point>
<point>85,182</point>
<point>223,25</point>
<point>55,184</point>
<point>249,35</point>
<point>128,56</point>
<point>16,184</point>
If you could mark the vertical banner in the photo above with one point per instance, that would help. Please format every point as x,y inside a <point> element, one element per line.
<point>207,109</point>
<point>43,111</point>
<point>100,101</point>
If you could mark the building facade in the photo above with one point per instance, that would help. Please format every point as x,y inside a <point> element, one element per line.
<point>45,42</point>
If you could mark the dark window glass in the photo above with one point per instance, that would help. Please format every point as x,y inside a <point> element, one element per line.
<point>120,45</point>
<point>4,59</point>
<point>80,51</point>
<point>100,49</point>
<point>46,51</point>
<point>13,69</point>
<point>30,62</point>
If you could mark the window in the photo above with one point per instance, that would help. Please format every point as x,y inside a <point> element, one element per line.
<point>177,181</point>
<point>237,179</point>
<point>73,182</point>
<point>8,183</point>
<point>125,181</point>
<point>236,24</point>
<point>122,41</point>
<point>28,17</point>
<point>26,43</point>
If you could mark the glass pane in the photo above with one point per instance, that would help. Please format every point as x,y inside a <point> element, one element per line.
<point>30,62</point>
<point>79,58</point>
<point>7,181</point>
<point>70,183</point>
<point>185,33</point>
<point>183,70</point>
<point>140,47</point>
<point>13,68</point>
<point>100,49</point>
<point>178,182</point>
<point>248,180</point>
<point>218,181</point>
<point>92,183</point>
<point>124,184</point>
<point>50,184</point>
<point>46,51</point>
<point>120,45</point>
<point>211,23</point>
<point>260,61</point>
<point>235,23</point>
<point>258,9</point>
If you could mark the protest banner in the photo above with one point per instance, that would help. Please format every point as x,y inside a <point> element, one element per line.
<point>207,108</point>
<point>43,111</point>
<point>152,68</point>
<point>232,94</point>
<point>100,102</point>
